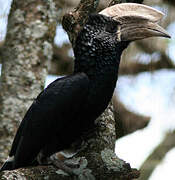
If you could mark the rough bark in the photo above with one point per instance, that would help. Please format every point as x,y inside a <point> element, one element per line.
<point>27,49</point>
<point>156,157</point>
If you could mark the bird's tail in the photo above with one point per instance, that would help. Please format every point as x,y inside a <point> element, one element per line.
<point>8,165</point>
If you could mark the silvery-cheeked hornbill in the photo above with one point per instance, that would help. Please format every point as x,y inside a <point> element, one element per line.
<point>69,106</point>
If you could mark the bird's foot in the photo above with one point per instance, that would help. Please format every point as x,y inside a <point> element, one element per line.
<point>67,164</point>
<point>62,165</point>
<point>59,161</point>
<point>72,166</point>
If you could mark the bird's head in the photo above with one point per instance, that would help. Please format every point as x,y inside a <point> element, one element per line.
<point>109,32</point>
<point>121,24</point>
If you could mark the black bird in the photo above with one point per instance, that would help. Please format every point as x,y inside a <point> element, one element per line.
<point>57,116</point>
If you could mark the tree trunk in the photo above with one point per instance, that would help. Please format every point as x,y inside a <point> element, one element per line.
<point>28,47</point>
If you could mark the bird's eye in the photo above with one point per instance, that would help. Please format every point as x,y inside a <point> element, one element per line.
<point>111,28</point>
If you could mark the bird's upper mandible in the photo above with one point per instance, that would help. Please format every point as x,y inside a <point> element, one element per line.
<point>137,21</point>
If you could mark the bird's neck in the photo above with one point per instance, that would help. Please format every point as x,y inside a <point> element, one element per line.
<point>101,67</point>
<point>97,63</point>
<point>102,70</point>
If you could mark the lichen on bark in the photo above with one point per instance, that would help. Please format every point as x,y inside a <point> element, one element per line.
<point>27,50</point>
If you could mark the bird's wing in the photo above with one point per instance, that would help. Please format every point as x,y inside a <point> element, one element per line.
<point>52,108</point>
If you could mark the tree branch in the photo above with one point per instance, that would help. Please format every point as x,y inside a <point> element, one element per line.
<point>73,21</point>
<point>157,156</point>
<point>160,45</point>
<point>170,2</point>
<point>134,68</point>
<point>127,122</point>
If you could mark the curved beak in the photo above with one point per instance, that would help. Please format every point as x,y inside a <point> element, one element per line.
<point>138,28</point>
<point>136,21</point>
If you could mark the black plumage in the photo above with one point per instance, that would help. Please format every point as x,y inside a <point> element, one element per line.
<point>69,106</point>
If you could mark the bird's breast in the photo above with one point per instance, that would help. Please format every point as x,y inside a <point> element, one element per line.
<point>100,93</point>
